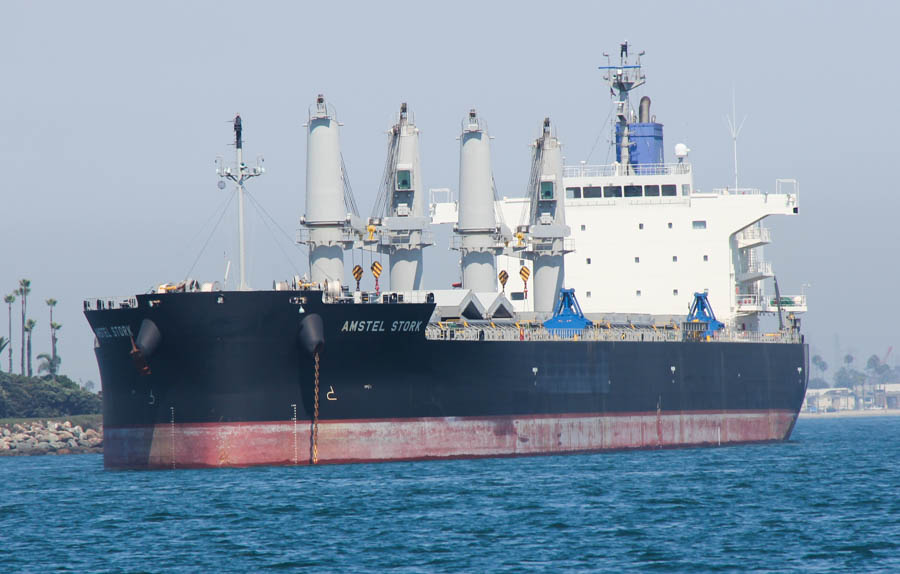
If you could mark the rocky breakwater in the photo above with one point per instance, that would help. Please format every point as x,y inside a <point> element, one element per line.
<point>48,438</point>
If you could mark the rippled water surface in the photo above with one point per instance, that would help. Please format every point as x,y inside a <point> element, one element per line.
<point>828,500</point>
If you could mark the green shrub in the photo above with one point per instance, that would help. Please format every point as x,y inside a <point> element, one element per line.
<point>44,397</point>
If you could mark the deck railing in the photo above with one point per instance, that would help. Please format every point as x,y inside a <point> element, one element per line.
<point>101,303</point>
<point>621,169</point>
<point>461,332</point>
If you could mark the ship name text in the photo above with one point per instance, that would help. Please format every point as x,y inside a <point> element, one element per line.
<point>113,331</point>
<point>381,326</point>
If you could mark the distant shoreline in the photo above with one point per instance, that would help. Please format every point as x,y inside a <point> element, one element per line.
<point>848,414</point>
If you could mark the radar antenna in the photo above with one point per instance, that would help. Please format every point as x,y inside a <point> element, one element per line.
<point>622,79</point>
<point>735,130</point>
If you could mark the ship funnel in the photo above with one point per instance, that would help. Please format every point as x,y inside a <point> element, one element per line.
<point>325,209</point>
<point>477,226</point>
<point>644,110</point>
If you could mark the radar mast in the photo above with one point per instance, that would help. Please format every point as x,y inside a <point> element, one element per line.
<point>240,174</point>
<point>622,79</point>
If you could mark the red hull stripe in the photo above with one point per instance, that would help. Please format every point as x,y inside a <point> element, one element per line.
<point>290,443</point>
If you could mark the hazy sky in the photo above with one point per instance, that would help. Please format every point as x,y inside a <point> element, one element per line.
<point>113,114</point>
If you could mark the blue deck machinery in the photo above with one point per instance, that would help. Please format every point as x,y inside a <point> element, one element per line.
<point>567,320</point>
<point>701,323</point>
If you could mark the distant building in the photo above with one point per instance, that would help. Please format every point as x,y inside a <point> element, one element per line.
<point>830,400</point>
<point>892,395</point>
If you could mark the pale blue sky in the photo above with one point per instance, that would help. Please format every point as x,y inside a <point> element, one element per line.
<point>113,114</point>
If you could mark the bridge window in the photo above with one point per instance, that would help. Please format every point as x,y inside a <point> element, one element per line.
<point>573,193</point>
<point>651,191</point>
<point>546,190</point>
<point>637,293</point>
<point>590,192</point>
<point>404,180</point>
<point>517,295</point>
<point>669,190</point>
<point>612,191</point>
<point>706,257</point>
<point>675,292</point>
<point>640,225</point>
<point>670,225</point>
<point>583,227</point>
<point>685,189</point>
<point>632,191</point>
<point>699,224</point>
<point>674,259</point>
<point>588,260</point>
<point>637,259</point>
<point>588,294</point>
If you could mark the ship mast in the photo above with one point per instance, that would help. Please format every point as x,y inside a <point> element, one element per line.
<point>622,79</point>
<point>239,176</point>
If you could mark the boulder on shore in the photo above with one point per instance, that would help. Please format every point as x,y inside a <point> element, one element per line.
<point>48,437</point>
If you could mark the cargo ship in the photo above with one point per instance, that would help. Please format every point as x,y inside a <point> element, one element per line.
<point>594,352</point>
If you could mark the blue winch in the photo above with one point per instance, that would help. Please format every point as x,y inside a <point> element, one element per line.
<point>567,317</point>
<point>701,323</point>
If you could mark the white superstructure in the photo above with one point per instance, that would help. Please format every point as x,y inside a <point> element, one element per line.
<point>643,238</point>
<point>647,253</point>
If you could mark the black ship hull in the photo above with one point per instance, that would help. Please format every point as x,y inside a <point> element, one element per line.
<point>231,383</point>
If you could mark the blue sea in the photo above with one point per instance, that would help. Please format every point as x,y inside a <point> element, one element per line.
<point>826,501</point>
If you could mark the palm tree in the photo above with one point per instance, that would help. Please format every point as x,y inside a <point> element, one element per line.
<point>819,363</point>
<point>9,300</point>
<point>55,327</point>
<point>52,303</point>
<point>48,364</point>
<point>3,343</point>
<point>23,291</point>
<point>29,328</point>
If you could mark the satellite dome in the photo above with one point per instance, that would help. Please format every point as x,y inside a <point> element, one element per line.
<point>681,150</point>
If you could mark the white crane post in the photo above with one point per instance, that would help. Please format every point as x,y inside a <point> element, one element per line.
<point>325,209</point>
<point>547,226</point>
<point>477,225</point>
<point>405,220</point>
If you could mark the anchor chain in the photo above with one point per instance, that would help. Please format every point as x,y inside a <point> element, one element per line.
<point>315,457</point>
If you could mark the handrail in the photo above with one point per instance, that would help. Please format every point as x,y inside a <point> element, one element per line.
<point>457,332</point>
<point>764,303</point>
<point>620,169</point>
<point>101,303</point>
<point>753,233</point>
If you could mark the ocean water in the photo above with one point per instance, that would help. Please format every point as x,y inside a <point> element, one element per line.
<point>826,501</point>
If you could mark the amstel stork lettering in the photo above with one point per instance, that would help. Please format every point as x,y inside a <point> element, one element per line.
<point>378,327</point>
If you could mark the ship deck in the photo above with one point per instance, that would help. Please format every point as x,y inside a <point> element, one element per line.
<point>465,331</point>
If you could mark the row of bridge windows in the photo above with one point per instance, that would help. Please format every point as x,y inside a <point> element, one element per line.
<point>592,192</point>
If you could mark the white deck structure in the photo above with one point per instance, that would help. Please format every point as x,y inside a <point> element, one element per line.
<point>643,238</point>
<point>648,254</point>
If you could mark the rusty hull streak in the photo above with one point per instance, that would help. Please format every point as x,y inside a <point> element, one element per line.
<point>213,445</point>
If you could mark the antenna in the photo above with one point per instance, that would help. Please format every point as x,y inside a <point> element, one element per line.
<point>622,79</point>
<point>735,131</point>
<point>239,175</point>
